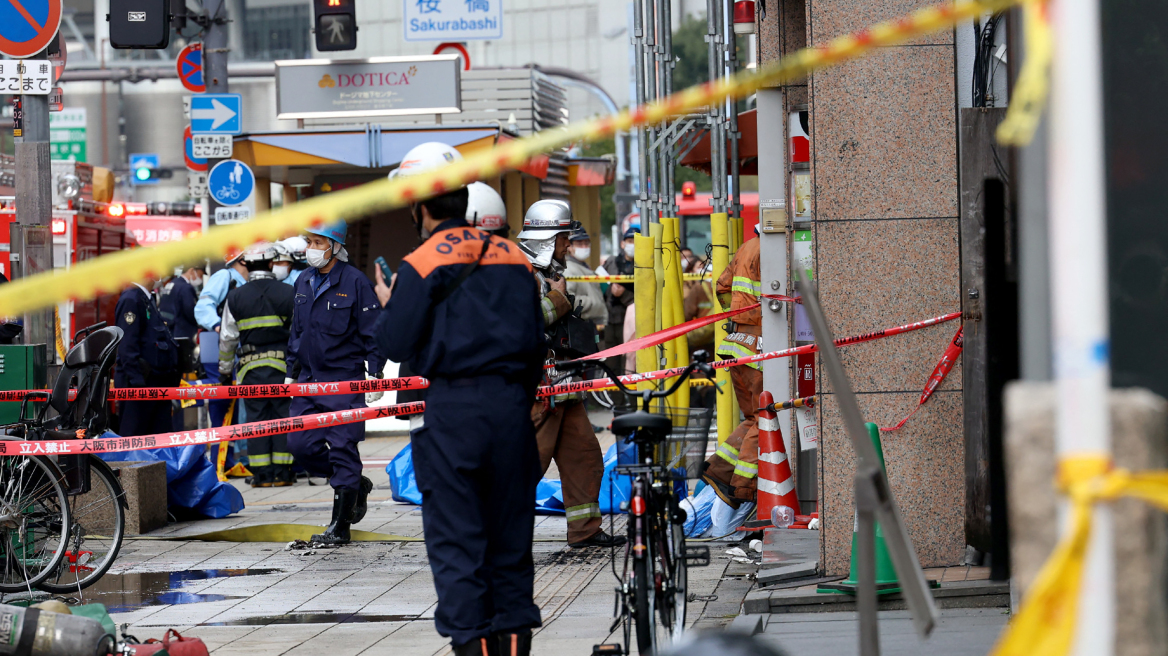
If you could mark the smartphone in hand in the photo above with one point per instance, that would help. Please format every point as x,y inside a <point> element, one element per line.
<point>385,271</point>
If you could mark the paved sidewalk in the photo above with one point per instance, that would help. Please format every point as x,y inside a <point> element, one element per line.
<point>258,598</point>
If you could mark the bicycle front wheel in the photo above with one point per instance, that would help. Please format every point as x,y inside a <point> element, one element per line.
<point>98,526</point>
<point>34,521</point>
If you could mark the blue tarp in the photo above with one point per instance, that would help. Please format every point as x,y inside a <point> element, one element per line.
<point>549,498</point>
<point>191,482</point>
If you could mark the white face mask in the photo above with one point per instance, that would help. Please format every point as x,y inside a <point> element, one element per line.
<point>316,257</point>
<point>629,249</point>
<point>197,283</point>
<point>582,252</point>
<point>281,271</point>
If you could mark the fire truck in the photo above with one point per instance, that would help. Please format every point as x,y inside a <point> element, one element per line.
<point>84,229</point>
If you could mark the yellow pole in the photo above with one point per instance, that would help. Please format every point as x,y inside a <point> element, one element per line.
<point>719,237</point>
<point>668,317</point>
<point>645,301</point>
<point>680,345</point>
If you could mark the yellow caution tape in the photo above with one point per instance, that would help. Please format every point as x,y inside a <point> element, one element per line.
<point>276,533</point>
<point>1045,624</point>
<point>111,273</point>
<point>629,279</point>
<point>60,343</point>
<point>1029,94</point>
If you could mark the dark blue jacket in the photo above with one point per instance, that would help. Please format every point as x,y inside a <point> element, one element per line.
<point>332,326</point>
<point>178,308</point>
<point>147,354</point>
<point>491,324</point>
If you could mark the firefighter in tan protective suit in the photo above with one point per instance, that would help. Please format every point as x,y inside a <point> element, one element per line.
<point>733,469</point>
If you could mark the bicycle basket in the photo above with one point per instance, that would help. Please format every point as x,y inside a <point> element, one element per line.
<point>684,450</point>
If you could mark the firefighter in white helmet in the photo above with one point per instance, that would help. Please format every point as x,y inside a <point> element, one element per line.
<point>485,209</point>
<point>562,428</point>
<point>480,339</point>
<point>256,324</point>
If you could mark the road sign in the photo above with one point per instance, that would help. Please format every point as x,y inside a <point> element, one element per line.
<point>213,146</point>
<point>58,60</point>
<point>229,215</point>
<point>190,68</point>
<point>216,113</point>
<point>197,184</point>
<point>28,78</point>
<point>142,167</point>
<point>67,134</point>
<point>28,26</point>
<point>193,163</point>
<point>56,100</point>
<point>439,20</point>
<point>231,182</point>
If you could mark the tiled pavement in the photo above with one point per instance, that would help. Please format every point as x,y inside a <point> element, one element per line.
<point>360,599</point>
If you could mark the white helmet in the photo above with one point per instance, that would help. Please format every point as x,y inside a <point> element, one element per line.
<point>261,252</point>
<point>295,246</point>
<point>485,209</point>
<point>426,157</point>
<point>544,220</point>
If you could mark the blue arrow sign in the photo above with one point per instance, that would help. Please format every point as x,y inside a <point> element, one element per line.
<point>216,113</point>
<point>231,182</point>
<point>144,161</point>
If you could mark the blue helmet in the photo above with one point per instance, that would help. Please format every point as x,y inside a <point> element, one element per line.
<point>334,231</point>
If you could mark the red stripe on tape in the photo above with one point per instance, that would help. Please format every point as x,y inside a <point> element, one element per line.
<point>218,392</point>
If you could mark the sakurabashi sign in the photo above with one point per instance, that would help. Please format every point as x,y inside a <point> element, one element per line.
<point>378,86</point>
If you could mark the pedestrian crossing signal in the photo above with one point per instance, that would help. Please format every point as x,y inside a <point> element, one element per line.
<point>336,25</point>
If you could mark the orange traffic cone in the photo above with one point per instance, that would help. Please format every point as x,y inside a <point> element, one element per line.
<point>776,483</point>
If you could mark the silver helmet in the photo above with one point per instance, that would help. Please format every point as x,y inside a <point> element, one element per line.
<point>544,220</point>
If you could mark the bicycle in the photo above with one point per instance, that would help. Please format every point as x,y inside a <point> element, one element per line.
<point>671,447</point>
<point>81,524</point>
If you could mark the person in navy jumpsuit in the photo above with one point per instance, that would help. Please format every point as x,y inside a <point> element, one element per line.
<point>178,302</point>
<point>332,340</point>
<point>147,357</point>
<point>482,348</point>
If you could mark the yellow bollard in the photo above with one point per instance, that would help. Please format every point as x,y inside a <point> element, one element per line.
<point>666,306</point>
<point>656,230</point>
<point>719,237</point>
<point>674,281</point>
<point>645,301</point>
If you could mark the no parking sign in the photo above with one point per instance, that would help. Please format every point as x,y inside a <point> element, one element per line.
<point>28,26</point>
<point>190,68</point>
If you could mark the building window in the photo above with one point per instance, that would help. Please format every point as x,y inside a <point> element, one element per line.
<point>280,32</point>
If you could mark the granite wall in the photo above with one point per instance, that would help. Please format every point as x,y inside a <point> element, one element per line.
<point>884,173</point>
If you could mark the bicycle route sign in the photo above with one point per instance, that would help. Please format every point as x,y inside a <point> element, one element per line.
<point>28,26</point>
<point>231,183</point>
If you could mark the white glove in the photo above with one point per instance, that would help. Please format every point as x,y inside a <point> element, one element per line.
<point>372,397</point>
<point>289,381</point>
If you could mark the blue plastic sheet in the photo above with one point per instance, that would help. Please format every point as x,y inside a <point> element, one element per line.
<point>697,510</point>
<point>549,497</point>
<point>191,482</point>
<point>403,485</point>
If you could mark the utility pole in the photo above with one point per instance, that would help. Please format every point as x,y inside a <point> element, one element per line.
<point>215,50</point>
<point>32,243</point>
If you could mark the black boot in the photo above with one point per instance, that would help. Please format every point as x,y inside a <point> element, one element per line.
<point>480,647</point>
<point>283,476</point>
<point>599,539</point>
<point>362,500</point>
<point>514,644</point>
<point>261,477</point>
<point>338,529</point>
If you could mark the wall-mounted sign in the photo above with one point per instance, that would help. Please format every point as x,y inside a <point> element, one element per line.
<point>452,20</point>
<point>378,86</point>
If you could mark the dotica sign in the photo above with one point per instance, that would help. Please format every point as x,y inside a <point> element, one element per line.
<point>378,86</point>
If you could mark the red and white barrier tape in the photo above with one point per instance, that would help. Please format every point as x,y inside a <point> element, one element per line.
<point>602,383</point>
<point>217,392</point>
<point>948,359</point>
<point>16,447</point>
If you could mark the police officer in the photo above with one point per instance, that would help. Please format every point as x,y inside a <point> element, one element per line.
<point>332,340</point>
<point>147,357</point>
<point>257,317</point>
<point>179,297</point>
<point>562,427</point>
<point>463,312</point>
<point>208,309</point>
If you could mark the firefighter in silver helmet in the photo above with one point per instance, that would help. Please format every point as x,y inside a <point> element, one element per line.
<point>562,428</point>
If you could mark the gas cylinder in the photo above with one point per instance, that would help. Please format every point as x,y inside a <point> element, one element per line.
<point>34,632</point>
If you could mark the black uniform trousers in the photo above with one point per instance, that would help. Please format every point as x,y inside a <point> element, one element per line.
<point>145,417</point>
<point>477,467</point>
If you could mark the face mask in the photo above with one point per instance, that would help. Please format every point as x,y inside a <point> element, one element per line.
<point>197,283</point>
<point>316,257</point>
<point>582,252</point>
<point>281,271</point>
<point>629,249</point>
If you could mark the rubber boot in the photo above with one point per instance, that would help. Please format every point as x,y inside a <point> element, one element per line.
<point>480,647</point>
<point>261,477</point>
<point>283,476</point>
<point>338,529</point>
<point>514,644</point>
<point>362,500</point>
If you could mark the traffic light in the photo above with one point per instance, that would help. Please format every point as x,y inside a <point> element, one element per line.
<point>139,23</point>
<point>336,25</point>
<point>147,175</point>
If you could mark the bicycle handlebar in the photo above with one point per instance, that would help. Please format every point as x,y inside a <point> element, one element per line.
<point>700,363</point>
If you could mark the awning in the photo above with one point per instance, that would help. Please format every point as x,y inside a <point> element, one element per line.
<point>590,171</point>
<point>699,157</point>
<point>372,148</point>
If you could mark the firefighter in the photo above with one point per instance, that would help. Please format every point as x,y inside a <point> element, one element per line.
<point>257,318</point>
<point>463,312</point>
<point>147,357</point>
<point>562,428</point>
<point>291,255</point>
<point>331,341</point>
<point>733,469</point>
